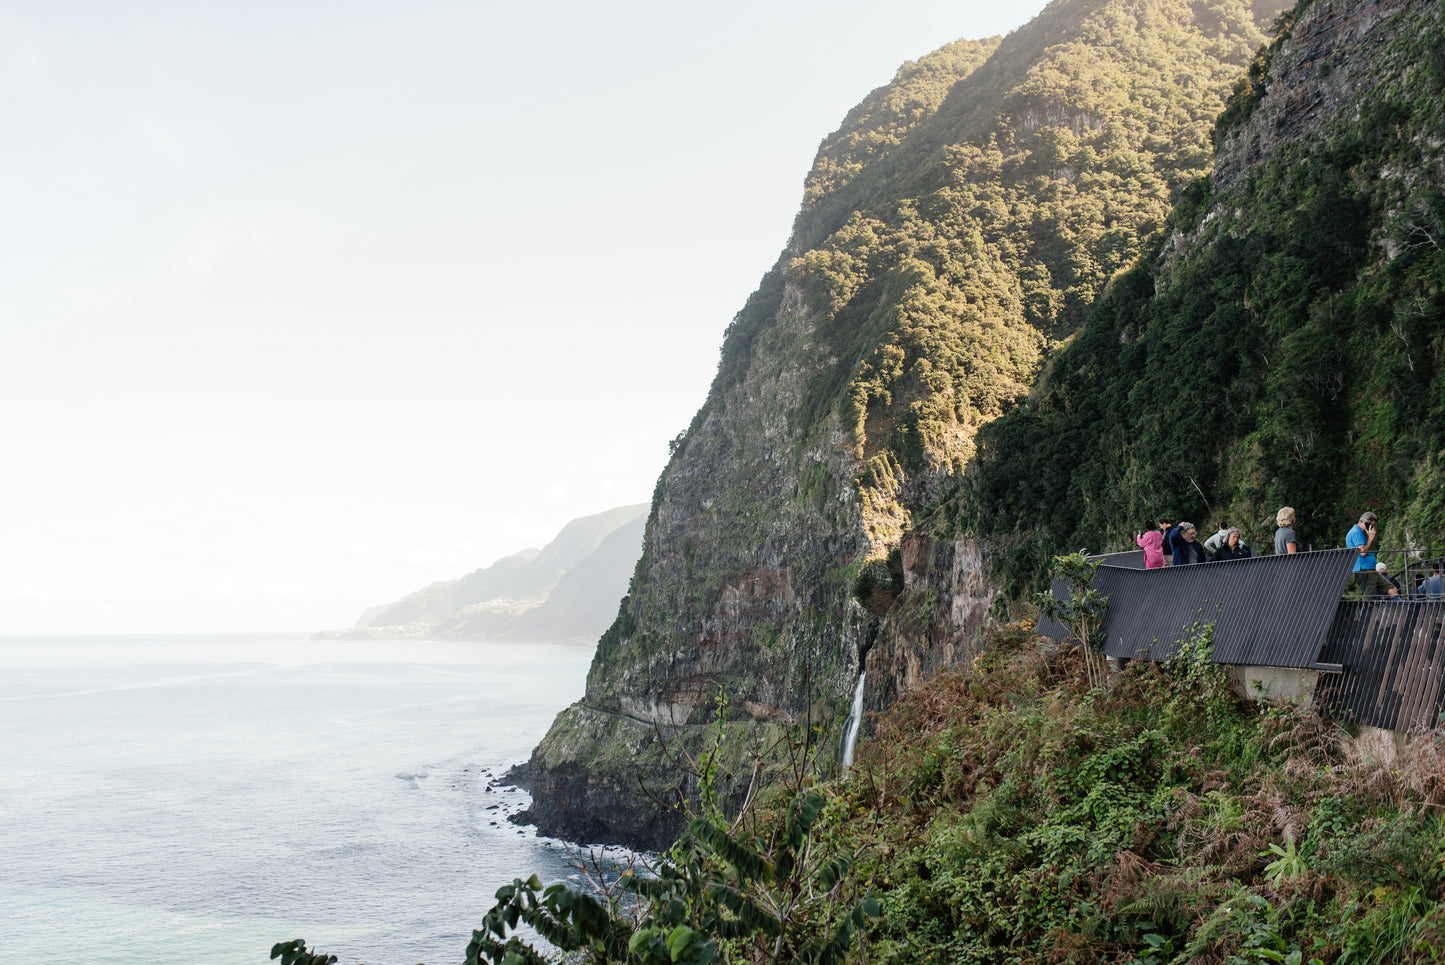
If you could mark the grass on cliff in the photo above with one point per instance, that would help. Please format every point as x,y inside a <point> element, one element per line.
<point>1007,814</point>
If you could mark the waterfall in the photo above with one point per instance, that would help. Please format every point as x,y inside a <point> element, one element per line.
<point>855,719</point>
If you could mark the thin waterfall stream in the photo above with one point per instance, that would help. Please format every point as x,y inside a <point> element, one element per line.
<point>855,719</point>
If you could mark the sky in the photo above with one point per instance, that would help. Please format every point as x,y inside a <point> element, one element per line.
<point>304,305</point>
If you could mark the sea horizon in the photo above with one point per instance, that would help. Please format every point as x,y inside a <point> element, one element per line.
<point>201,796</point>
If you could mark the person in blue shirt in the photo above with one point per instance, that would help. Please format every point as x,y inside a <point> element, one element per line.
<point>1432,588</point>
<point>1362,537</point>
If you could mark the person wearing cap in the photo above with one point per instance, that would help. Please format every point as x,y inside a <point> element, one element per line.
<point>1362,537</point>
<point>1393,584</point>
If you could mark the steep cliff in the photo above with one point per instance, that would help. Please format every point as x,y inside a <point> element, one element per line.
<point>1284,341</point>
<point>963,219</point>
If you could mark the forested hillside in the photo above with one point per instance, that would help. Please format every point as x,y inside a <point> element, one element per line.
<point>962,221</point>
<point>1282,343</point>
<point>941,267</point>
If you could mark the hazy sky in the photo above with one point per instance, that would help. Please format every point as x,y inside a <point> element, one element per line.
<point>305,305</point>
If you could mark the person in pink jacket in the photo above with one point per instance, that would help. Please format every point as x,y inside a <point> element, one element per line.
<point>1152,539</point>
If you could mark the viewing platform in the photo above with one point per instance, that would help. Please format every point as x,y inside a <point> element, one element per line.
<point>1287,628</point>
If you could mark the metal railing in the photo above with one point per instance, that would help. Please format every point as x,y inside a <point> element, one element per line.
<point>1420,573</point>
<point>1391,655</point>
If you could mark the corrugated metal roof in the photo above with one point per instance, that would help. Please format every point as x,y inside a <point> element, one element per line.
<point>1129,559</point>
<point>1267,611</point>
<point>1287,611</point>
<point>1391,654</point>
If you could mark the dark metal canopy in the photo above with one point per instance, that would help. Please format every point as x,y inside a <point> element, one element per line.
<point>1267,611</point>
<point>1384,659</point>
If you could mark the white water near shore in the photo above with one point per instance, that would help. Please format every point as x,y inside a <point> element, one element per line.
<point>197,799</point>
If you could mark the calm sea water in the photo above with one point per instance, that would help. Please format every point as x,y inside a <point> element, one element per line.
<point>197,799</point>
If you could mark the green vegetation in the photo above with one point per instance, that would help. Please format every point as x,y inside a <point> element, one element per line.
<point>1081,612</point>
<point>948,251</point>
<point>1281,345</point>
<point>723,894</point>
<point>1014,815</point>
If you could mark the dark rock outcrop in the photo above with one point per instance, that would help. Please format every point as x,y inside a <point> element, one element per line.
<point>1316,74</point>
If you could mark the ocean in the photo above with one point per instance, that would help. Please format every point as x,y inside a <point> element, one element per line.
<point>186,799</point>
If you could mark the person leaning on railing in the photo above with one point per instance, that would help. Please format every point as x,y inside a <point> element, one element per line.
<point>1430,588</point>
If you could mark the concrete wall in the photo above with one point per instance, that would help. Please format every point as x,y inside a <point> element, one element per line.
<point>1274,683</point>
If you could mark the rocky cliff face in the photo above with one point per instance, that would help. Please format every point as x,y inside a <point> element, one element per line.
<point>1316,72</point>
<point>948,596</point>
<point>742,594</point>
<point>795,535</point>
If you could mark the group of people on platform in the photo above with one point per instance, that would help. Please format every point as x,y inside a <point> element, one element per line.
<point>1179,544</point>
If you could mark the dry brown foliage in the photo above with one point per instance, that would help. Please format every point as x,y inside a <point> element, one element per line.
<point>1120,883</point>
<point>1423,764</point>
<point>1309,740</point>
<point>1269,809</point>
<point>1067,946</point>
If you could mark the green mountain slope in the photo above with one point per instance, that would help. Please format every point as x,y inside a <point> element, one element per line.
<point>961,221</point>
<point>1282,343</point>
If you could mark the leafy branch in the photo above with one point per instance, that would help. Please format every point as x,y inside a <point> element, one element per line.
<point>1081,612</point>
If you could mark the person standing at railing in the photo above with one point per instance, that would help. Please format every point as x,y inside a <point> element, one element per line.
<point>1430,588</point>
<point>1187,549</point>
<point>1152,540</point>
<point>1362,537</point>
<point>1232,548</point>
<point>1285,540</point>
